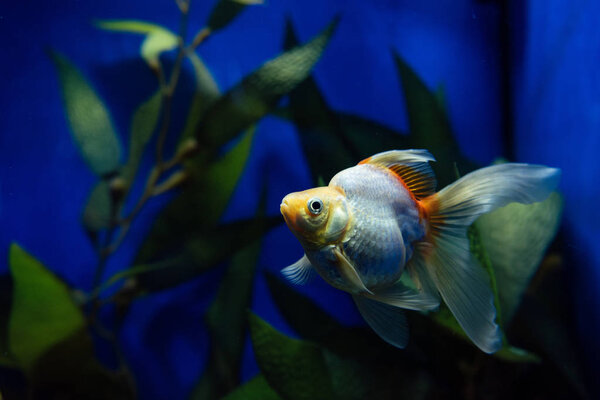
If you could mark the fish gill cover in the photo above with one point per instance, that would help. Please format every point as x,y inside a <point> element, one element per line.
<point>61,340</point>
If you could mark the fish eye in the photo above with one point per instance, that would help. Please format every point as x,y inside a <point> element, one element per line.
<point>315,206</point>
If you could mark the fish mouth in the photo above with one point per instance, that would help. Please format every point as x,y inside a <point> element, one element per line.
<point>284,208</point>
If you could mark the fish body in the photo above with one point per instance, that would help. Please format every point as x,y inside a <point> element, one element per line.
<point>382,217</point>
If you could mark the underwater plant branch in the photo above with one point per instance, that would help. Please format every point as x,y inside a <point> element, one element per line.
<point>200,37</point>
<point>123,368</point>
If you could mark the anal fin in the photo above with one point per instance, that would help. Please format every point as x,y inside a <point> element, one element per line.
<point>387,321</point>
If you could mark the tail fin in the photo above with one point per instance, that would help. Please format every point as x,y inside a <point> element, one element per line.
<point>444,259</point>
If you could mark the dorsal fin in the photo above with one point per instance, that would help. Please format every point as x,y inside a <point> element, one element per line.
<point>411,166</point>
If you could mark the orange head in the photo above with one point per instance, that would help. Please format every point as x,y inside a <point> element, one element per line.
<point>318,217</point>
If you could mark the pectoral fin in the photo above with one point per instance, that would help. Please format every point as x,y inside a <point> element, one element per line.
<point>387,321</point>
<point>400,295</point>
<point>299,272</point>
<point>349,273</point>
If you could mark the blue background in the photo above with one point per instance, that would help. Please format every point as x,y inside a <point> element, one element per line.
<point>528,77</point>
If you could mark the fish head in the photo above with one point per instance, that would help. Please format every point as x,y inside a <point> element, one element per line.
<point>318,217</point>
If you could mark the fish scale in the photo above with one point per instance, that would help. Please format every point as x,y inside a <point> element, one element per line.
<point>385,222</point>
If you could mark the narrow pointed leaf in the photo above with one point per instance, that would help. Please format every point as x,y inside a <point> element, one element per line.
<point>200,204</point>
<point>158,38</point>
<point>43,313</point>
<point>143,124</point>
<point>97,212</point>
<point>429,125</point>
<point>225,11</point>
<point>204,250</point>
<point>226,321</point>
<point>258,93</point>
<point>88,118</point>
<point>321,129</point>
<point>206,93</point>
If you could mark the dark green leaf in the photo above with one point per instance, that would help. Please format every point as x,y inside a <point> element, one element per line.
<point>259,92</point>
<point>97,211</point>
<point>43,313</point>
<point>143,124</point>
<point>69,370</point>
<point>88,118</point>
<point>199,205</point>
<point>314,324</point>
<point>206,93</point>
<point>226,320</point>
<point>225,11</point>
<point>295,369</point>
<point>516,238</point>
<point>255,389</point>
<point>429,125</point>
<point>204,250</point>
<point>322,129</point>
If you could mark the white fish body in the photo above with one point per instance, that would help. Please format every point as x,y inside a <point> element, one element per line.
<point>382,217</point>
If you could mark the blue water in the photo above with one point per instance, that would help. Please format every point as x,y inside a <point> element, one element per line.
<point>529,91</point>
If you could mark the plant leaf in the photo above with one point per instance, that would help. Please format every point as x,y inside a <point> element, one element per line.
<point>69,370</point>
<point>204,250</point>
<point>206,93</point>
<point>226,320</point>
<point>143,124</point>
<point>259,92</point>
<point>97,213</point>
<point>516,238</point>
<point>429,125</point>
<point>225,11</point>
<point>294,368</point>
<point>88,119</point>
<point>210,187</point>
<point>158,38</point>
<point>256,388</point>
<point>43,313</point>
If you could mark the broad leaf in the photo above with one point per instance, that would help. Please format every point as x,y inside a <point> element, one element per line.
<point>516,238</point>
<point>143,124</point>
<point>255,389</point>
<point>294,368</point>
<point>225,11</point>
<point>259,92</point>
<point>158,38</point>
<point>43,313</point>
<point>88,119</point>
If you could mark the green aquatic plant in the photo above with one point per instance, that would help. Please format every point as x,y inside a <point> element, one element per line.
<point>51,343</point>
<point>184,241</point>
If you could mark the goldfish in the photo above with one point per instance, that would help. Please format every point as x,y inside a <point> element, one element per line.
<point>383,217</point>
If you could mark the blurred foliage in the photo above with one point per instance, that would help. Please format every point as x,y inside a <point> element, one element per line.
<point>47,328</point>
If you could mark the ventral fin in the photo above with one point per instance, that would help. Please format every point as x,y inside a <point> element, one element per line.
<point>349,273</point>
<point>411,167</point>
<point>387,321</point>
<point>299,272</point>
